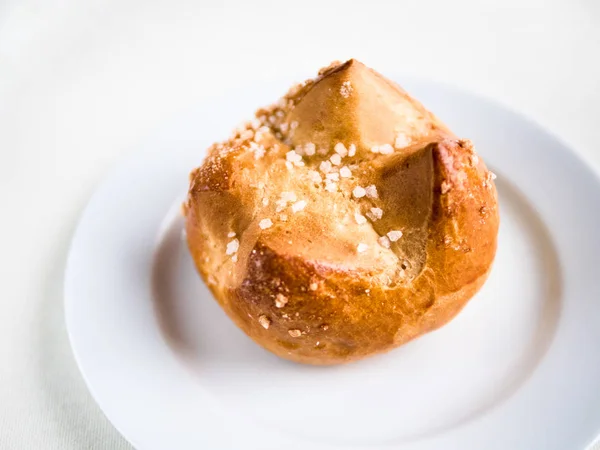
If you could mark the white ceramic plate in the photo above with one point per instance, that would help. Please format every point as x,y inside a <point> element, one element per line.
<point>519,368</point>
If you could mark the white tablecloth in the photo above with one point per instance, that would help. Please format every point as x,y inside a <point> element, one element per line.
<point>82,82</point>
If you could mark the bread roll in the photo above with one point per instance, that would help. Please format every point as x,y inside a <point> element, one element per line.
<point>343,221</point>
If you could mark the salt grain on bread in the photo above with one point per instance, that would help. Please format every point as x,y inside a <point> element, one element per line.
<point>327,274</point>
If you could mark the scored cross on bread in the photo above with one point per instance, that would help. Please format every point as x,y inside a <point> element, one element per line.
<point>342,221</point>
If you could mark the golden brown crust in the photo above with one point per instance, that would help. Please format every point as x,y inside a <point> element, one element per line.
<point>306,267</point>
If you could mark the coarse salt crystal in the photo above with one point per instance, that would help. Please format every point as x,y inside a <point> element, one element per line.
<point>359,192</point>
<point>346,89</point>
<point>231,234</point>
<point>375,149</point>
<point>330,186</point>
<point>345,172</point>
<point>265,201</point>
<point>295,333</point>
<point>333,176</point>
<point>394,235</point>
<point>371,191</point>
<point>340,149</point>
<point>310,149</point>
<point>234,258</point>
<point>283,217</point>
<point>265,223</point>
<point>361,248</point>
<point>493,175</point>
<point>298,206</point>
<point>289,165</point>
<point>255,123</point>
<point>401,141</point>
<point>313,286</point>
<point>336,159</point>
<point>386,149</point>
<point>325,166</point>
<point>292,156</point>
<point>360,219</point>
<point>281,300</point>
<point>384,242</point>
<point>314,176</point>
<point>264,321</point>
<point>445,187</point>
<point>352,150</point>
<point>232,247</point>
<point>376,214</point>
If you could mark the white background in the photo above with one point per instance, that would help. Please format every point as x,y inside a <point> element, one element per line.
<point>83,82</point>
